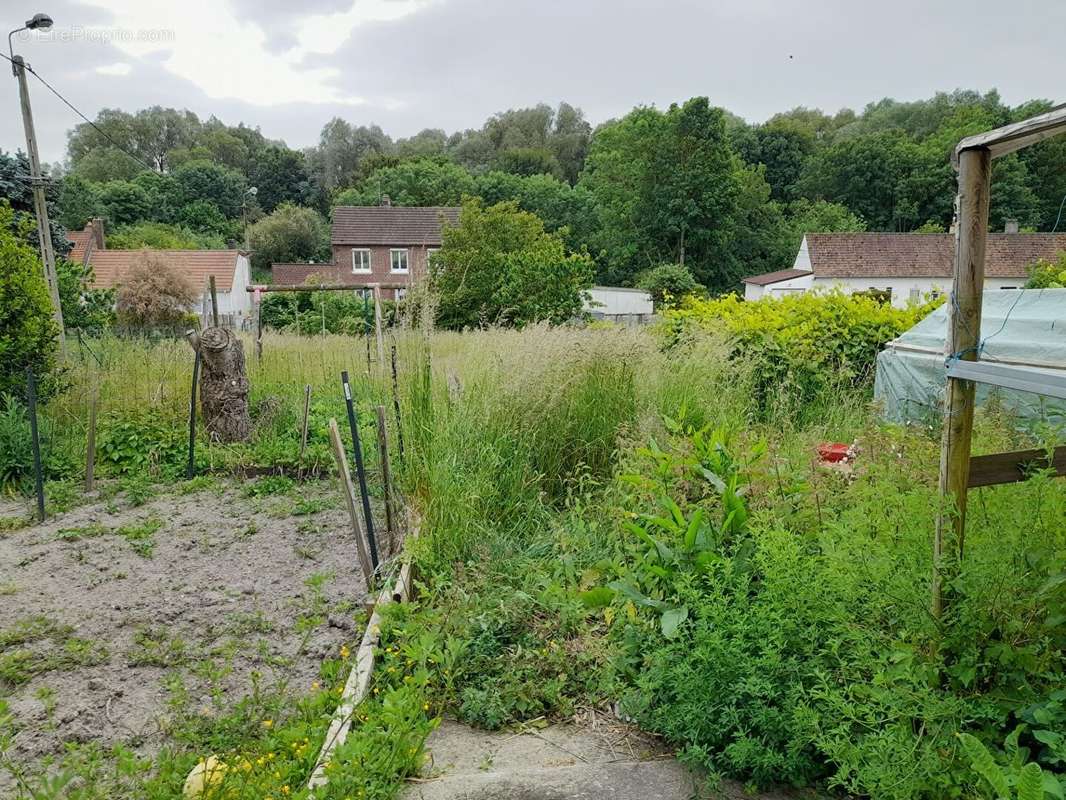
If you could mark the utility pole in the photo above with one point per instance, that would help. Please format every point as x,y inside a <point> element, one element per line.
<point>44,228</point>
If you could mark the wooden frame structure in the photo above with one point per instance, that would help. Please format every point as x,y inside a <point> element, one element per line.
<point>972,159</point>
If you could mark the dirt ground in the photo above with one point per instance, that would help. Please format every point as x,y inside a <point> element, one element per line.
<point>124,608</point>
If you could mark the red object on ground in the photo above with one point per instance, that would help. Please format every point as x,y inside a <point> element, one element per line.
<point>833,451</point>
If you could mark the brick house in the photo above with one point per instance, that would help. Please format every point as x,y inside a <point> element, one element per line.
<point>388,246</point>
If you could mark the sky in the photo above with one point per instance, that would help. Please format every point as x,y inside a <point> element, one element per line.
<point>288,67</point>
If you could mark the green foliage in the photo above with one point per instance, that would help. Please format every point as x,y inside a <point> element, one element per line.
<point>669,284</point>
<point>322,312</point>
<point>1047,275</point>
<point>808,342</point>
<point>161,236</point>
<point>415,182</point>
<point>27,331</point>
<point>132,444</point>
<point>16,448</point>
<point>499,265</point>
<point>85,308</point>
<point>289,234</point>
<point>528,161</point>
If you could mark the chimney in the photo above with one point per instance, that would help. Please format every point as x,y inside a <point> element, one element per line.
<point>1010,226</point>
<point>386,201</point>
<point>97,225</point>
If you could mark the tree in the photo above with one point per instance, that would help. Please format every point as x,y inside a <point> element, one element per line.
<point>341,148</point>
<point>499,266</point>
<point>289,234</point>
<point>280,176</point>
<point>204,217</point>
<point>17,190</point>
<point>203,181</point>
<point>669,283</point>
<point>124,203</point>
<point>84,308</point>
<point>153,294</point>
<point>161,236</point>
<point>528,161</point>
<point>418,182</point>
<point>822,217</point>
<point>1046,274</point>
<point>79,202</point>
<point>783,147</point>
<point>564,208</point>
<point>27,331</point>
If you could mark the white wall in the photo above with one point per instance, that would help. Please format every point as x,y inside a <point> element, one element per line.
<point>611,301</point>
<point>902,288</point>
<point>801,283</point>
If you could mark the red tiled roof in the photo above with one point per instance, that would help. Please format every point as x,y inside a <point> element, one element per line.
<point>81,241</point>
<point>198,265</point>
<point>923,255</point>
<point>390,225</point>
<point>775,277</point>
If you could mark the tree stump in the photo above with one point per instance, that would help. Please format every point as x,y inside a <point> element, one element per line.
<point>223,384</point>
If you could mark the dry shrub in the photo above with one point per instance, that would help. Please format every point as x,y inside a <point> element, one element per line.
<point>153,293</point>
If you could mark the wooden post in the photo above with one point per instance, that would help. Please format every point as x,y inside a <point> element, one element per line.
<point>377,325</point>
<point>214,300</point>
<point>40,204</point>
<point>964,338</point>
<point>90,447</point>
<point>35,441</point>
<point>396,404</point>
<point>386,481</point>
<point>303,427</point>
<point>349,498</point>
<point>258,327</point>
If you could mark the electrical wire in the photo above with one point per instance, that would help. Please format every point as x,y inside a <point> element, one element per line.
<point>74,108</point>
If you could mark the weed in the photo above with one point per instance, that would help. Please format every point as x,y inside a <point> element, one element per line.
<point>137,488</point>
<point>87,531</point>
<point>140,535</point>
<point>156,647</point>
<point>35,645</point>
<point>268,485</point>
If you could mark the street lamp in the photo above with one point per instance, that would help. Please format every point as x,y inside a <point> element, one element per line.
<point>39,22</point>
<point>251,191</point>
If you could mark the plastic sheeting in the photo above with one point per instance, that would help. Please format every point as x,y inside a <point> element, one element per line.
<point>1025,327</point>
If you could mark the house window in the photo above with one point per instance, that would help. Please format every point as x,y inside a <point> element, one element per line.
<point>360,260</point>
<point>916,295</point>
<point>399,260</point>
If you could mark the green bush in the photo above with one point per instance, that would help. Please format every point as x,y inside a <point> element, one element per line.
<point>669,284</point>
<point>135,443</point>
<point>803,345</point>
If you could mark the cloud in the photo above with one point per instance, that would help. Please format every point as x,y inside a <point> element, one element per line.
<point>118,68</point>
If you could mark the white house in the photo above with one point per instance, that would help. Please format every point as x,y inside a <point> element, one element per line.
<point>619,304</point>
<point>230,268</point>
<point>905,266</point>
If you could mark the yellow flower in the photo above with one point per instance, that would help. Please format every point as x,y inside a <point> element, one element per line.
<point>285,789</point>
<point>425,706</point>
<point>315,685</point>
<point>345,652</point>
<point>267,723</point>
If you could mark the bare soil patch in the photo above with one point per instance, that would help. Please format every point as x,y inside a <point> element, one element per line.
<point>112,616</point>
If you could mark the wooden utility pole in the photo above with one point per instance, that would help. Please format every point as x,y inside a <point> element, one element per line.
<point>377,326</point>
<point>214,299</point>
<point>964,338</point>
<point>44,228</point>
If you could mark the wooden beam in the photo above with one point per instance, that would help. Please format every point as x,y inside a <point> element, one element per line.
<point>1048,383</point>
<point>341,456</point>
<point>1009,138</point>
<point>964,336</point>
<point>321,287</point>
<point>998,468</point>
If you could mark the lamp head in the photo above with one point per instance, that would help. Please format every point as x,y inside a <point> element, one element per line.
<point>39,22</point>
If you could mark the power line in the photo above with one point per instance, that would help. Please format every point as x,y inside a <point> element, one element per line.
<point>74,108</point>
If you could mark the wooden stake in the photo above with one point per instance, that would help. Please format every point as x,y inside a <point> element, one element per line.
<point>396,405</point>
<point>190,468</point>
<point>386,481</point>
<point>964,337</point>
<point>303,426</point>
<point>90,447</point>
<point>258,328</point>
<point>35,440</point>
<point>377,325</point>
<point>214,300</point>
<point>349,498</point>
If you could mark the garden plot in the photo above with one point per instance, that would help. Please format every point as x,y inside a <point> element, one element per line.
<point>125,613</point>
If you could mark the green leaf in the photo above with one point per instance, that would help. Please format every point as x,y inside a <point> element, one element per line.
<point>693,527</point>
<point>1053,787</point>
<point>672,620</point>
<point>1031,782</point>
<point>984,765</point>
<point>638,597</point>
<point>596,598</point>
<point>713,479</point>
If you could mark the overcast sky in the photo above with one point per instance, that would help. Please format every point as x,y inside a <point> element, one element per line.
<point>289,66</point>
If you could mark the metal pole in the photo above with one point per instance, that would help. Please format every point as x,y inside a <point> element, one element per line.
<point>38,472</point>
<point>190,469</point>
<point>40,204</point>
<point>964,338</point>
<point>359,469</point>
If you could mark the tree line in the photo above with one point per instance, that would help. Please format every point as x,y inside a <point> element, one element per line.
<point>691,184</point>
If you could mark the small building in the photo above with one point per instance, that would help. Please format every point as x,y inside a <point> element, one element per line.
<point>230,268</point>
<point>903,267</point>
<point>385,245</point>
<point>617,304</point>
